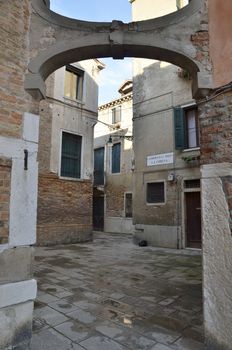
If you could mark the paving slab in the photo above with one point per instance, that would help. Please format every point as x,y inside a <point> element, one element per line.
<point>49,339</point>
<point>113,295</point>
<point>50,316</point>
<point>75,331</point>
<point>101,343</point>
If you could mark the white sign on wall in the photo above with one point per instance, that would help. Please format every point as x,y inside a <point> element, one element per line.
<point>160,159</point>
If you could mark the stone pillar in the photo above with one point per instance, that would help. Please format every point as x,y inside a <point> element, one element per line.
<point>217,254</point>
<point>18,204</point>
<point>216,155</point>
<point>18,178</point>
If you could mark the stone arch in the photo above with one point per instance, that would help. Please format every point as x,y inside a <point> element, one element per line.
<point>166,38</point>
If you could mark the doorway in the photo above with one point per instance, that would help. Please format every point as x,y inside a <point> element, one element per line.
<point>98,213</point>
<point>193,219</point>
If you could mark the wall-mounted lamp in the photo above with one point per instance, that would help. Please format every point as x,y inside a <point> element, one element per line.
<point>25,159</point>
<point>124,137</point>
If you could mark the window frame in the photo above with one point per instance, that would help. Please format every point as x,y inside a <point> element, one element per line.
<point>111,158</point>
<point>80,86</point>
<point>187,108</point>
<point>181,127</point>
<point>156,203</point>
<point>81,158</point>
<point>114,114</point>
<point>128,217</point>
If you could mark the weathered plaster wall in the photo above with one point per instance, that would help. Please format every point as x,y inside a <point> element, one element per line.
<point>116,185</point>
<point>158,88</point>
<point>220,41</point>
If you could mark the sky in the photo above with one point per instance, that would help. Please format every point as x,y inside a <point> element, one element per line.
<point>116,71</point>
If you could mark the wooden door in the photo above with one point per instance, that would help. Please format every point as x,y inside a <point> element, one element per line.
<point>193,219</point>
<point>99,156</point>
<point>98,213</point>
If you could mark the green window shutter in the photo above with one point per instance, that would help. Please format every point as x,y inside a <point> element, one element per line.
<point>71,155</point>
<point>179,125</point>
<point>99,159</point>
<point>116,158</point>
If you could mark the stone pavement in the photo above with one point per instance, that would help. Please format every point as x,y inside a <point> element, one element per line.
<point>112,295</point>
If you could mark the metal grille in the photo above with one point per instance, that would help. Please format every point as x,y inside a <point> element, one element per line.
<point>128,205</point>
<point>192,183</point>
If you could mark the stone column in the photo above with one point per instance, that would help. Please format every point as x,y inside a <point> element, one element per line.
<point>216,155</point>
<point>18,178</point>
<point>18,204</point>
<point>217,254</point>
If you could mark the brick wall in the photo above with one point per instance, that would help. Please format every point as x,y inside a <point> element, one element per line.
<point>5,176</point>
<point>115,200</point>
<point>64,210</point>
<point>216,129</point>
<point>45,131</point>
<point>14,48</point>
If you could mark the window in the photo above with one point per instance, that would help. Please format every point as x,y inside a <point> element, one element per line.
<point>71,155</point>
<point>128,205</point>
<point>73,85</point>
<point>116,114</point>
<point>156,193</point>
<point>186,127</point>
<point>116,158</point>
<point>99,155</point>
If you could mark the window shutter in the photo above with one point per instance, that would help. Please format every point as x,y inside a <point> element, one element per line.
<point>99,155</point>
<point>155,192</point>
<point>116,156</point>
<point>71,155</point>
<point>179,124</point>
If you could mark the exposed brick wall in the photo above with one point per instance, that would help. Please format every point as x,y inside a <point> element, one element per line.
<point>14,48</point>
<point>45,130</point>
<point>64,210</point>
<point>5,176</point>
<point>216,129</point>
<point>201,42</point>
<point>115,200</point>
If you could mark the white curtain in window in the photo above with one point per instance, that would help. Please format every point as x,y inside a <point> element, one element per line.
<point>191,123</point>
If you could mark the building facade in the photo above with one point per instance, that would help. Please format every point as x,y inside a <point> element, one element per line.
<point>113,168</point>
<point>67,118</point>
<point>167,152</point>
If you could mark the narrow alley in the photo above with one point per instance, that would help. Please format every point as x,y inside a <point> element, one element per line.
<point>114,295</point>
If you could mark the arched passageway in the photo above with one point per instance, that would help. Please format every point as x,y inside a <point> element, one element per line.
<point>66,40</point>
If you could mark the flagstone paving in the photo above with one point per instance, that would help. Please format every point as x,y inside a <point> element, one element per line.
<point>110,294</point>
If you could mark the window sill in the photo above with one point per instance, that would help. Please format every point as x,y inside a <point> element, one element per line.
<point>72,179</point>
<point>195,149</point>
<point>74,102</point>
<point>155,204</point>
